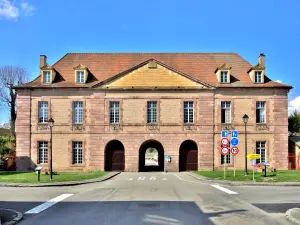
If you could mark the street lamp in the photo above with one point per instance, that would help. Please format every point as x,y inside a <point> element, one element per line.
<point>245,119</point>
<point>51,125</point>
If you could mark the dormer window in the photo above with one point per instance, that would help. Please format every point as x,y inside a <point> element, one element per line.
<point>80,76</point>
<point>46,77</point>
<point>224,77</point>
<point>258,77</point>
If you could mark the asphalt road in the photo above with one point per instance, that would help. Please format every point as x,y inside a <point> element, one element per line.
<point>151,199</point>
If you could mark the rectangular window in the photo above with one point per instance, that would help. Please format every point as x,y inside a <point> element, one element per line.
<point>77,112</point>
<point>42,152</point>
<point>152,112</point>
<point>114,112</point>
<point>224,77</point>
<point>258,77</point>
<point>188,112</point>
<point>80,77</point>
<point>77,152</point>
<point>46,77</point>
<point>261,150</point>
<point>225,112</point>
<point>43,112</point>
<point>260,112</point>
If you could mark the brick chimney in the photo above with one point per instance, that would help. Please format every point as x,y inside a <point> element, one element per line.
<point>43,60</point>
<point>262,59</point>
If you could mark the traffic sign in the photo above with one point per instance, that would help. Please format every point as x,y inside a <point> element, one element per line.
<point>224,151</point>
<point>253,156</point>
<point>234,150</point>
<point>266,164</point>
<point>253,162</point>
<point>234,133</point>
<point>224,142</point>
<point>224,133</point>
<point>234,141</point>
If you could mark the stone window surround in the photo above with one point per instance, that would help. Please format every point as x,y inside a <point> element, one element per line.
<point>70,152</point>
<point>70,115</point>
<point>194,100</point>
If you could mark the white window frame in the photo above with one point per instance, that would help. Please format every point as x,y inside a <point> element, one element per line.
<point>80,77</point>
<point>258,77</point>
<point>114,112</point>
<point>188,106</point>
<point>226,105</point>
<point>77,112</point>
<point>259,147</point>
<point>261,106</point>
<point>224,77</point>
<point>46,77</point>
<point>42,152</point>
<point>43,111</point>
<point>77,152</point>
<point>152,112</point>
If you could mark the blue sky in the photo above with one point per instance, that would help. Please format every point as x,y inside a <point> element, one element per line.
<point>30,28</point>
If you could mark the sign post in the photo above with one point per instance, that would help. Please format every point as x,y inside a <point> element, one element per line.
<point>253,164</point>
<point>253,158</point>
<point>234,151</point>
<point>224,151</point>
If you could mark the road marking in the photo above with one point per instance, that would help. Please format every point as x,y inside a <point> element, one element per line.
<point>141,178</point>
<point>195,182</point>
<point>48,204</point>
<point>224,189</point>
<point>130,179</point>
<point>164,178</point>
<point>152,178</point>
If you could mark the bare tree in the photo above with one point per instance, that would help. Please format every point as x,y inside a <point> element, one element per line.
<point>11,76</point>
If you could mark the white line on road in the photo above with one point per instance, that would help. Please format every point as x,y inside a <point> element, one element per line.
<point>130,179</point>
<point>164,178</point>
<point>141,178</point>
<point>195,182</point>
<point>224,189</point>
<point>152,178</point>
<point>48,204</point>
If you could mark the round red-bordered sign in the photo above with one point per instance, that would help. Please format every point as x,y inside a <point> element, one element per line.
<point>224,151</point>
<point>224,142</point>
<point>234,150</point>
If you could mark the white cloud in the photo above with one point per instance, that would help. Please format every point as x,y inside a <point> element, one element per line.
<point>294,105</point>
<point>279,81</point>
<point>27,9</point>
<point>8,10</point>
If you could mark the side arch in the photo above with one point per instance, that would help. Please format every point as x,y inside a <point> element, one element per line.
<point>188,156</point>
<point>114,156</point>
<point>143,167</point>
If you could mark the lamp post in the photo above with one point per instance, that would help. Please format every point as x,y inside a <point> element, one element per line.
<point>51,124</point>
<point>245,119</point>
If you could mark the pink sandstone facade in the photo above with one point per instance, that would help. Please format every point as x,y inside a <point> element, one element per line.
<point>133,86</point>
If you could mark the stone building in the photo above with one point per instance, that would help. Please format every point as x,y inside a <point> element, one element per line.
<point>109,108</point>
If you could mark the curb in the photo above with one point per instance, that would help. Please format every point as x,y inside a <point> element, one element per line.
<point>16,219</point>
<point>288,216</point>
<point>57,184</point>
<point>241,183</point>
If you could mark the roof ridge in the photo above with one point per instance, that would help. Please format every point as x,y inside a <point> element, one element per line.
<point>152,53</point>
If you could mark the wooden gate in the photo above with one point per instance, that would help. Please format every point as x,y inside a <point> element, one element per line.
<point>188,156</point>
<point>114,157</point>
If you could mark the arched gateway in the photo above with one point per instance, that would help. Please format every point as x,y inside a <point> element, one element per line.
<point>188,156</point>
<point>114,156</point>
<point>151,156</point>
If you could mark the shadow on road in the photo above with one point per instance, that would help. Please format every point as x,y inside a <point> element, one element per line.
<point>120,212</point>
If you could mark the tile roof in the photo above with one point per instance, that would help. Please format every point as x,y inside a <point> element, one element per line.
<point>201,66</point>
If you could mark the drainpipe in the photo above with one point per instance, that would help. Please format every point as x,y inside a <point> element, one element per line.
<point>214,131</point>
<point>30,113</point>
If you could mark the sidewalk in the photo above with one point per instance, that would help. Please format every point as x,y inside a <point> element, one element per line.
<point>239,183</point>
<point>67,183</point>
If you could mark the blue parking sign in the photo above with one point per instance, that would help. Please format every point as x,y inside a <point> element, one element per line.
<point>234,133</point>
<point>224,133</point>
<point>234,141</point>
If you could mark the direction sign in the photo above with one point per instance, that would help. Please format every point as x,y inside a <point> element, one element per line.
<point>224,133</point>
<point>234,133</point>
<point>234,141</point>
<point>234,150</point>
<point>224,142</point>
<point>224,151</point>
<point>253,156</point>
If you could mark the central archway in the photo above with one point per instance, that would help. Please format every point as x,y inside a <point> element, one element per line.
<point>151,156</point>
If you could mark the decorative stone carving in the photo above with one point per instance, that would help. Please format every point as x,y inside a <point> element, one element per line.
<point>42,126</point>
<point>227,126</point>
<point>262,127</point>
<point>116,127</point>
<point>152,127</point>
<point>189,127</point>
<point>78,127</point>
